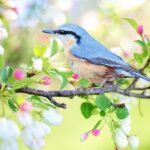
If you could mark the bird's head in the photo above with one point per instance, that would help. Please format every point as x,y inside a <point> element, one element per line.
<point>68,32</point>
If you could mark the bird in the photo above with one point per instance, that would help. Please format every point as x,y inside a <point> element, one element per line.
<point>90,59</point>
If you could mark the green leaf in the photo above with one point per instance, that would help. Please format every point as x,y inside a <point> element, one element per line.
<point>55,73</point>
<point>84,83</point>
<point>86,109</point>
<point>102,102</point>
<point>13,106</point>
<point>145,53</point>
<point>97,124</point>
<point>23,83</point>
<point>141,43</point>
<point>116,125</point>
<point>40,50</point>
<point>102,113</point>
<point>54,48</point>
<point>6,73</point>
<point>148,43</point>
<point>1,61</point>
<point>122,113</point>
<point>138,58</point>
<point>132,22</point>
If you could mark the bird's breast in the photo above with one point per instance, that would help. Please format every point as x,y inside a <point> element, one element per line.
<point>93,73</point>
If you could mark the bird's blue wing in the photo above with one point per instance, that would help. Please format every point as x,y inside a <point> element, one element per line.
<point>96,53</point>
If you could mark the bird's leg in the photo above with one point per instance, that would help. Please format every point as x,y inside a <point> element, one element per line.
<point>106,82</point>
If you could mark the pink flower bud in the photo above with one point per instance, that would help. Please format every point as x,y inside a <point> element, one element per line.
<point>117,148</point>
<point>26,106</point>
<point>96,132</point>
<point>19,74</point>
<point>46,80</point>
<point>84,136</point>
<point>140,29</point>
<point>75,76</point>
<point>15,9</point>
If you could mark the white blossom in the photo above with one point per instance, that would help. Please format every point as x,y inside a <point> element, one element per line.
<point>9,145</point>
<point>10,15</point>
<point>37,64</point>
<point>52,116</point>
<point>1,50</point>
<point>3,33</point>
<point>125,124</point>
<point>37,144</point>
<point>121,138</point>
<point>133,142</point>
<point>33,135</point>
<point>25,118</point>
<point>8,129</point>
<point>47,53</point>
<point>126,128</point>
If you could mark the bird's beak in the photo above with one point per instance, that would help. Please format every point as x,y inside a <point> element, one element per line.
<point>49,31</point>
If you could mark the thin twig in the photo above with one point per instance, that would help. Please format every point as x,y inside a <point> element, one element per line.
<point>118,105</point>
<point>60,105</point>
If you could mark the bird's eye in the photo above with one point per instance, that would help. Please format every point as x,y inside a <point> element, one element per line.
<point>61,32</point>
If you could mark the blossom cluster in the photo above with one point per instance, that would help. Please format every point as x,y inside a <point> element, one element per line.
<point>33,132</point>
<point>122,137</point>
<point>8,14</point>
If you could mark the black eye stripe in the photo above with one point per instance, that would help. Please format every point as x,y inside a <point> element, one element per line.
<point>64,32</point>
<point>61,32</point>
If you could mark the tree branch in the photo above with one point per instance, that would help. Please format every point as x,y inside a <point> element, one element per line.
<point>81,91</point>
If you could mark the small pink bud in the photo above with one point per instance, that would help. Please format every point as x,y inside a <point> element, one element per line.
<point>140,29</point>
<point>26,106</point>
<point>84,136</point>
<point>117,148</point>
<point>96,132</point>
<point>15,9</point>
<point>46,80</point>
<point>19,74</point>
<point>75,76</point>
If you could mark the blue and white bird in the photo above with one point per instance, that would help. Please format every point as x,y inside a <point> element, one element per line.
<point>90,59</point>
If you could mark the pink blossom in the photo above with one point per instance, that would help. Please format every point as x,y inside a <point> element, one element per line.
<point>84,136</point>
<point>75,76</point>
<point>96,132</point>
<point>19,74</point>
<point>45,80</point>
<point>26,106</point>
<point>10,14</point>
<point>140,29</point>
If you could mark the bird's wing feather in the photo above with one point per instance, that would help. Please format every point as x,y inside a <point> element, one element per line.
<point>96,53</point>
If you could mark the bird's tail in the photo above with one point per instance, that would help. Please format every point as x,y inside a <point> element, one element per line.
<point>138,74</point>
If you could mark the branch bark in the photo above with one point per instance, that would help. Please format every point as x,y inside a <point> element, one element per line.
<point>82,91</point>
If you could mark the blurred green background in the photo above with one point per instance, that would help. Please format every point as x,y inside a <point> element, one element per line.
<point>103,19</point>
